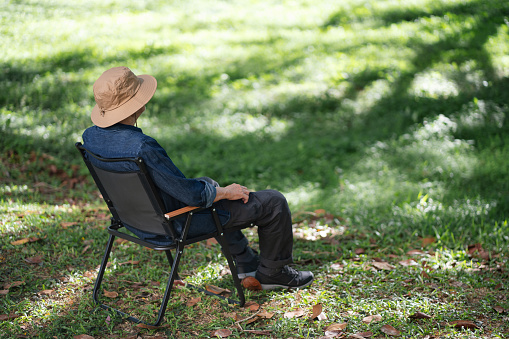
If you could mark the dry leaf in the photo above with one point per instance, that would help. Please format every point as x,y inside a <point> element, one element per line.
<point>294,314</point>
<point>320,211</point>
<point>426,241</point>
<point>14,284</point>
<point>46,292</point>
<point>252,306</point>
<point>193,302</point>
<point>252,284</point>
<point>11,316</point>
<point>464,324</point>
<point>34,260</point>
<point>364,334</point>
<point>335,330</point>
<point>20,242</point>
<point>211,241</point>
<point>389,330</point>
<point>265,314</point>
<point>419,315</point>
<point>372,318</point>
<point>110,294</point>
<point>149,327</point>
<point>383,266</point>
<point>68,224</point>
<point>4,292</point>
<point>83,336</point>
<point>415,252</point>
<point>499,309</point>
<point>318,312</point>
<point>409,262</point>
<point>359,251</point>
<point>178,283</point>
<point>217,290</point>
<point>222,333</point>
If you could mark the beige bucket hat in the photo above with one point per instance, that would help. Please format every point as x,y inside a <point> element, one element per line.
<point>119,93</point>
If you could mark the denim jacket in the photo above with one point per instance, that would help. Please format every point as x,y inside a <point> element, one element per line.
<point>119,141</point>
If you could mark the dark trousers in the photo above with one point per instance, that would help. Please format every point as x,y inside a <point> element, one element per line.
<point>269,211</point>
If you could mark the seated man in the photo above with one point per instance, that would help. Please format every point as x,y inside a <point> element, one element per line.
<point>120,98</point>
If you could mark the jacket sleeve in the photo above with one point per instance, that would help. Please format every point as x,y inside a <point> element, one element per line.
<point>166,176</point>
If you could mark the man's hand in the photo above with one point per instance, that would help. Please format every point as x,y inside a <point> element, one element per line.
<point>232,192</point>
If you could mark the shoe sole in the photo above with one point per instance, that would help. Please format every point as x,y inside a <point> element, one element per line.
<point>277,286</point>
<point>245,275</point>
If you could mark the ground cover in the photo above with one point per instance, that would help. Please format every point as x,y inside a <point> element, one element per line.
<point>383,122</point>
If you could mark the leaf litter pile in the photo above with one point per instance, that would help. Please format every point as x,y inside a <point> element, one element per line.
<point>362,289</point>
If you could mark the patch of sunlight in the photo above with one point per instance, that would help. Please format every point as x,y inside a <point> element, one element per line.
<point>433,84</point>
<point>231,125</point>
<point>13,189</point>
<point>498,48</point>
<point>304,195</point>
<point>480,114</point>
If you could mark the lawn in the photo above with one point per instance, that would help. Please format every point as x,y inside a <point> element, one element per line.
<point>384,123</point>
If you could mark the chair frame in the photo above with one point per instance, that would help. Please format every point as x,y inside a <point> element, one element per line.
<point>179,241</point>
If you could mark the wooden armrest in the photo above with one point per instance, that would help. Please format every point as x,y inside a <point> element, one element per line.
<point>180,211</point>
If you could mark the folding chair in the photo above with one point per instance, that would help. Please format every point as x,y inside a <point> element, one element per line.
<point>133,199</point>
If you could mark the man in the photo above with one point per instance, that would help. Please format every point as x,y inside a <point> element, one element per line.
<point>120,98</point>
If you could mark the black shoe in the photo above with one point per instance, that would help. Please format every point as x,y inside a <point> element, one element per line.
<point>248,269</point>
<point>287,278</point>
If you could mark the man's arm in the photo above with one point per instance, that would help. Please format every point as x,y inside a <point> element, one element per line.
<point>232,192</point>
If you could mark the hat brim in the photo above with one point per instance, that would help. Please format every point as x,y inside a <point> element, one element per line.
<point>146,91</point>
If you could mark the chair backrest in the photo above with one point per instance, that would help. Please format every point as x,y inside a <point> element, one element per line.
<point>131,196</point>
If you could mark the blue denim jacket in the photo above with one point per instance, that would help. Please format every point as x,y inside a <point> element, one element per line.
<point>119,141</point>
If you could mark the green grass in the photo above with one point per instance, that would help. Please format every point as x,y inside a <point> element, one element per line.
<point>390,115</point>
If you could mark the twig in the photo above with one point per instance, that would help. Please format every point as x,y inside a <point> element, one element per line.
<point>254,315</point>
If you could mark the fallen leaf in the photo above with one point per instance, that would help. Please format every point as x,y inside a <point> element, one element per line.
<point>252,284</point>
<point>178,283</point>
<point>408,262</point>
<point>294,314</point>
<point>14,284</point>
<point>265,314</point>
<point>68,224</point>
<point>252,306</point>
<point>218,290</point>
<point>318,312</point>
<point>464,324</point>
<point>319,211</point>
<point>389,330</point>
<point>335,330</point>
<point>46,292</point>
<point>20,242</point>
<point>110,294</point>
<point>11,316</point>
<point>415,252</point>
<point>4,292</point>
<point>426,241</point>
<point>149,327</point>
<point>372,318</point>
<point>383,266</point>
<point>83,336</point>
<point>359,251</point>
<point>364,334</point>
<point>222,333</point>
<point>211,241</point>
<point>34,260</point>
<point>193,301</point>
<point>419,315</point>
<point>499,309</point>
<point>85,249</point>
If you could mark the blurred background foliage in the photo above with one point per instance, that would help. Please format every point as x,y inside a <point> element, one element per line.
<point>390,113</point>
